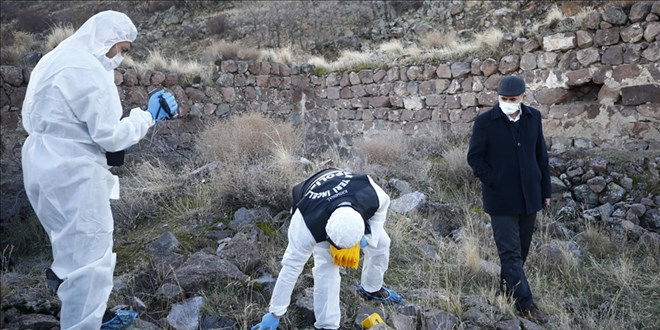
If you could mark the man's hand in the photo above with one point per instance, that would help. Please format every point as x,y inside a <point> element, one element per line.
<point>546,202</point>
<point>162,105</point>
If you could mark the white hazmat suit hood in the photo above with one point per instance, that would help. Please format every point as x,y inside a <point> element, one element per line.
<point>101,32</point>
<point>72,113</point>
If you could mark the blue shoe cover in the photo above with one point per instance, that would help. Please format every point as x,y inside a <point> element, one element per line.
<point>392,296</point>
<point>121,320</point>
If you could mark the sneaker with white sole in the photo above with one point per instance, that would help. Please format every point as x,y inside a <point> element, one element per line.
<point>384,295</point>
<point>120,320</point>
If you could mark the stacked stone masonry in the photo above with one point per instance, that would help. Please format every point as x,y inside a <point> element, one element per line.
<point>598,86</point>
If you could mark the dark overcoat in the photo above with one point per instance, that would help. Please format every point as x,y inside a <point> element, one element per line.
<point>513,168</point>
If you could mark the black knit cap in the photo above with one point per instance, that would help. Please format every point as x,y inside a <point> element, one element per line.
<point>511,86</point>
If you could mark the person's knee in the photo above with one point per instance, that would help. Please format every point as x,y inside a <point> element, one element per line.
<point>384,242</point>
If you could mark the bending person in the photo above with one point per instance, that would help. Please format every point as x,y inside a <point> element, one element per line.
<point>335,215</point>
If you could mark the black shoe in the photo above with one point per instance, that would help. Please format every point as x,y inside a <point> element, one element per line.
<point>534,314</point>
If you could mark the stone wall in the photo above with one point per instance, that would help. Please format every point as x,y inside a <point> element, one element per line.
<point>596,87</point>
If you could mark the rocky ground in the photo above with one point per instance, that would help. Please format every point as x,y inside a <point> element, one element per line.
<point>206,273</point>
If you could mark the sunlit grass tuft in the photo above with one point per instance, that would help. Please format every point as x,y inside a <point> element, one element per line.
<point>157,61</point>
<point>280,55</point>
<point>57,34</point>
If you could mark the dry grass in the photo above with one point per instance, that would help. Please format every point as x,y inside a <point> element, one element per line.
<point>156,61</point>
<point>389,153</point>
<point>489,39</point>
<point>56,35</point>
<point>438,40</point>
<point>483,45</point>
<point>437,47</point>
<point>455,168</point>
<point>246,138</point>
<point>258,157</point>
<point>383,149</point>
<point>553,15</point>
<point>348,60</point>
<point>279,55</point>
<point>393,47</point>
<point>611,286</point>
<point>153,189</point>
<point>21,44</point>
<point>223,50</point>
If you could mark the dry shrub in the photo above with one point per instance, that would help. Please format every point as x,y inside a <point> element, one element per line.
<point>438,40</point>
<point>257,157</point>
<point>390,153</point>
<point>217,24</point>
<point>246,138</point>
<point>555,14</point>
<point>223,50</point>
<point>57,34</point>
<point>384,149</point>
<point>19,45</point>
<point>456,164</point>
<point>319,62</point>
<point>598,242</point>
<point>394,47</point>
<point>279,55</point>
<point>348,60</point>
<point>489,39</point>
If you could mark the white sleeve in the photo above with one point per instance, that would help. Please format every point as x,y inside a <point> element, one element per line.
<point>299,249</point>
<point>95,101</point>
<point>377,221</point>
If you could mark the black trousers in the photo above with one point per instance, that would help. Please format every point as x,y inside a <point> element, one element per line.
<point>513,236</point>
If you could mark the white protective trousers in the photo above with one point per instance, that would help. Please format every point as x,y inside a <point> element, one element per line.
<point>72,113</point>
<point>327,280</point>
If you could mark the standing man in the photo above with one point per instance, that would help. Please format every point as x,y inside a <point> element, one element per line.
<point>508,154</point>
<point>72,113</point>
<point>335,214</point>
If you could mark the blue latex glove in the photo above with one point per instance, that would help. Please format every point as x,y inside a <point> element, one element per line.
<point>269,322</point>
<point>160,103</point>
<point>363,242</point>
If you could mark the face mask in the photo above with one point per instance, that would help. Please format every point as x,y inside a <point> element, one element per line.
<point>111,63</point>
<point>509,108</point>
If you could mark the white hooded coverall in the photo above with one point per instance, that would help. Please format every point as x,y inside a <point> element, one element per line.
<point>327,280</point>
<point>72,113</point>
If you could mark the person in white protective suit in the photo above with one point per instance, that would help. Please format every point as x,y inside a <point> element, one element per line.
<point>72,113</point>
<point>336,214</point>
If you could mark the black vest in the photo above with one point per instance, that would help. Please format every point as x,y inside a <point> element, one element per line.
<point>320,195</point>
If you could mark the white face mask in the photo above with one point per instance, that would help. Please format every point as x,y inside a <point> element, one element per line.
<point>111,63</point>
<point>509,108</point>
